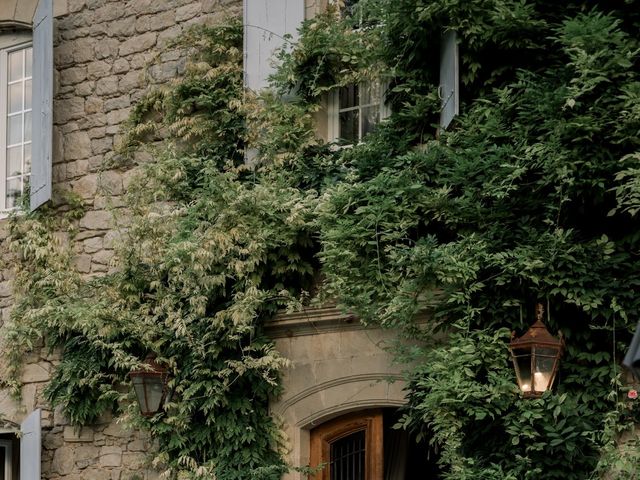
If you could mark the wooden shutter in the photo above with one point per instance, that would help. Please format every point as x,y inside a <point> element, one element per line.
<point>449,79</point>
<point>30,442</point>
<point>42,104</point>
<point>266,22</point>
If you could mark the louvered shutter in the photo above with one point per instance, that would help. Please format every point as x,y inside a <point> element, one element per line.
<point>449,79</point>
<point>266,22</point>
<point>30,441</point>
<point>42,104</point>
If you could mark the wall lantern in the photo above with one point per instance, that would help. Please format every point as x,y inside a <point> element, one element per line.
<point>150,385</point>
<point>536,356</point>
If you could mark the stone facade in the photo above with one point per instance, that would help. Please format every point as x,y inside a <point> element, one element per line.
<point>101,49</point>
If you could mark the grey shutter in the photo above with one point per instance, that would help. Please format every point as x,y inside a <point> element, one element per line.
<point>632,358</point>
<point>30,441</point>
<point>266,22</point>
<point>449,79</point>
<point>42,103</point>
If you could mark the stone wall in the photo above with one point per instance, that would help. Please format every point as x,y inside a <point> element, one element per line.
<point>101,49</point>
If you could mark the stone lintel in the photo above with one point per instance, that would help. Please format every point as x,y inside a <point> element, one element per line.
<point>311,321</point>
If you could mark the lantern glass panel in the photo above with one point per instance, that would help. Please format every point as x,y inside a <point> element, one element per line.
<point>545,359</point>
<point>149,391</point>
<point>522,360</point>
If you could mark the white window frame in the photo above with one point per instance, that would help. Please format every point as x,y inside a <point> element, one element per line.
<point>22,41</point>
<point>334,111</point>
<point>8,458</point>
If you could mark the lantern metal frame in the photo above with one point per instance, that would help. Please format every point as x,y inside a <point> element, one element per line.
<point>150,373</point>
<point>537,343</point>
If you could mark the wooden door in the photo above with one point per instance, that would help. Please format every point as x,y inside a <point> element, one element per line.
<point>349,447</point>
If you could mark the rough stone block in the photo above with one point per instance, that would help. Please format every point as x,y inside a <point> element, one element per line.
<point>85,88</point>
<point>115,117</point>
<point>117,430</point>
<point>96,220</point>
<point>103,257</point>
<point>36,372</point>
<point>146,23</point>
<point>138,44</point>
<point>149,6</point>
<point>107,47</point>
<point>107,86</point>
<point>87,186</point>
<point>78,435</point>
<point>124,27</point>
<point>83,50</point>
<point>98,69</point>
<point>111,182</point>
<point>123,101</point>
<point>187,12</point>
<point>63,461</point>
<point>92,245</point>
<point>68,109</point>
<point>71,76</point>
<point>93,105</point>
<point>5,289</point>
<point>120,66</point>
<point>82,263</point>
<point>77,145</point>
<point>110,456</point>
<point>101,145</point>
<point>130,81</point>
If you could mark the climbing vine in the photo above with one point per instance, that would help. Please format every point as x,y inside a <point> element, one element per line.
<point>531,194</point>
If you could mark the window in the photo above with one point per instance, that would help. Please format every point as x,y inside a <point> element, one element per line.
<point>26,98</point>
<point>16,64</point>
<point>355,111</point>
<point>9,456</point>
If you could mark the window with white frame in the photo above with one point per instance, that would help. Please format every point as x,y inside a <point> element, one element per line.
<point>355,111</point>
<point>26,114</point>
<point>16,63</point>
<point>6,459</point>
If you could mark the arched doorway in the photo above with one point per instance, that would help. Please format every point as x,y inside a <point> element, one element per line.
<point>365,445</point>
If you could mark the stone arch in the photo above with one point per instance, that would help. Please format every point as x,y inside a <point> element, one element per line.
<point>17,14</point>
<point>337,367</point>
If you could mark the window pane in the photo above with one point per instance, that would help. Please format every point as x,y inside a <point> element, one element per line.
<point>27,95</point>
<point>370,93</point>
<point>349,126</point>
<point>348,96</point>
<point>14,161</point>
<point>27,157</point>
<point>523,363</point>
<point>14,129</point>
<point>370,119</point>
<point>29,61</point>
<point>15,65</point>
<point>14,190</point>
<point>3,460</point>
<point>347,457</point>
<point>27,127</point>
<point>15,97</point>
<point>543,371</point>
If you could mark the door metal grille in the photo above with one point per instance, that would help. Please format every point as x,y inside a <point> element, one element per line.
<point>347,457</point>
